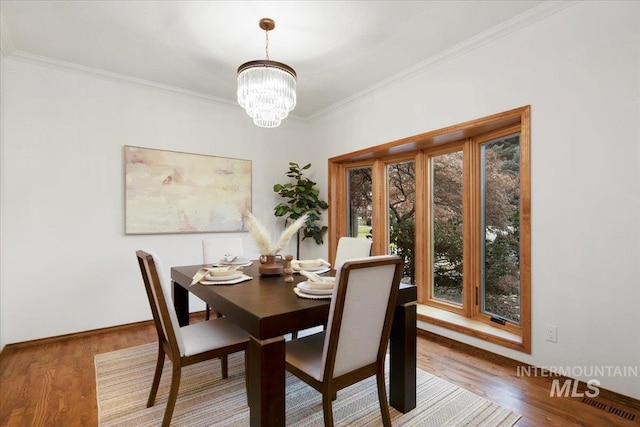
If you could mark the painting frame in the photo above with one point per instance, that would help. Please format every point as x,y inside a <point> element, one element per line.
<point>174,192</point>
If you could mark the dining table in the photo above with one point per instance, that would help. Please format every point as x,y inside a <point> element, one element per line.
<point>268,309</point>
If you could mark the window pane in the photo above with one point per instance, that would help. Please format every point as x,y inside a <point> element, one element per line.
<point>402,214</point>
<point>446,210</point>
<point>359,203</point>
<point>500,217</point>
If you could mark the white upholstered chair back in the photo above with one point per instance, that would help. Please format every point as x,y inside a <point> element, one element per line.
<point>350,248</point>
<point>164,306</point>
<point>215,248</point>
<point>362,302</point>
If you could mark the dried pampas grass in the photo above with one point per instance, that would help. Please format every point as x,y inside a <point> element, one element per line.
<point>260,234</point>
<point>263,239</point>
<point>290,231</point>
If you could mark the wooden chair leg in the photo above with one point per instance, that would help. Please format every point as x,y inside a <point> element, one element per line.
<point>173,394</point>
<point>382,398</point>
<point>156,377</point>
<point>246,375</point>
<point>224,363</point>
<point>327,410</point>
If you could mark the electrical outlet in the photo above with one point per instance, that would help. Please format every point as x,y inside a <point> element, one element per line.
<point>551,333</point>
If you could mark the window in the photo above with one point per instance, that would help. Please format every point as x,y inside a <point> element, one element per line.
<point>447,220</point>
<point>359,203</point>
<point>401,185</point>
<point>499,225</point>
<point>455,205</point>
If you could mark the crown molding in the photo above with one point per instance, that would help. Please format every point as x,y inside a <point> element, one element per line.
<point>119,78</point>
<point>520,21</point>
<point>108,75</point>
<point>514,24</point>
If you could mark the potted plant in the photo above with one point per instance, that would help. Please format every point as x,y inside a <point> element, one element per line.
<point>302,198</point>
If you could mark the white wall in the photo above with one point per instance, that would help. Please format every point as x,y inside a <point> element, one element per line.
<point>66,264</point>
<point>2,182</point>
<point>580,72</point>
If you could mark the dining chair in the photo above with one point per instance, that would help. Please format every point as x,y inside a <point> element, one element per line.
<point>214,249</point>
<point>186,345</point>
<point>348,248</point>
<point>354,345</point>
<point>351,247</point>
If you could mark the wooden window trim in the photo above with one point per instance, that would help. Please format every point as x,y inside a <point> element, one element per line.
<point>420,147</point>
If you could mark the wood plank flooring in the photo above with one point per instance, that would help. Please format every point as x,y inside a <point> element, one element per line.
<point>495,378</point>
<point>52,382</point>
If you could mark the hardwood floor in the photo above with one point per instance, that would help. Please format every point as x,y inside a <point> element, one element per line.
<point>496,378</point>
<point>52,382</point>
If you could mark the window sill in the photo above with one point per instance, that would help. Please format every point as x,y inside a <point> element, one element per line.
<point>471,327</point>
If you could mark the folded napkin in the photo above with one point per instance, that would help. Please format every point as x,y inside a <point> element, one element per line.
<point>318,282</point>
<point>229,257</point>
<point>296,263</point>
<point>237,260</point>
<point>237,279</point>
<point>204,272</point>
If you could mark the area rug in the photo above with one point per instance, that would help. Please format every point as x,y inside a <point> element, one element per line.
<point>123,381</point>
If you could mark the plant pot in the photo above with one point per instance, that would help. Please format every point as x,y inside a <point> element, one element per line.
<point>271,265</point>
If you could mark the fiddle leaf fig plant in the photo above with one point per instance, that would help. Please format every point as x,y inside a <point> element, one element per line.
<point>302,198</point>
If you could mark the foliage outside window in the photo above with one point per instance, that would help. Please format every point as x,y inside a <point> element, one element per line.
<point>401,182</point>
<point>456,208</point>
<point>360,201</point>
<point>448,221</point>
<point>500,222</point>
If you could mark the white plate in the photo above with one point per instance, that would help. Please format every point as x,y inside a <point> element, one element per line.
<point>297,268</point>
<point>301,294</point>
<point>304,286</point>
<point>239,279</point>
<point>237,261</point>
<point>222,278</point>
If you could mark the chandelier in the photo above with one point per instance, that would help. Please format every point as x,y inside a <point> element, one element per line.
<point>267,89</point>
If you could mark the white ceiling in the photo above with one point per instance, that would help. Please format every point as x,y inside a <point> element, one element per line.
<point>339,49</point>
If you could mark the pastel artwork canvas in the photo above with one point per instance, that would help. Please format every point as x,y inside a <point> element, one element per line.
<point>173,192</point>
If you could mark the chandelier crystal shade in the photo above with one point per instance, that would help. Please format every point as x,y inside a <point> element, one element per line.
<point>267,89</point>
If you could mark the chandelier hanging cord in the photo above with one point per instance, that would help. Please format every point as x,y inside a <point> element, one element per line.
<point>267,24</point>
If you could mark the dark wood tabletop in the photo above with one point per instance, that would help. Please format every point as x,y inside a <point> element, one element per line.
<point>267,308</point>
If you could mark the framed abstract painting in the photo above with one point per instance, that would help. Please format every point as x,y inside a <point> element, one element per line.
<point>174,192</point>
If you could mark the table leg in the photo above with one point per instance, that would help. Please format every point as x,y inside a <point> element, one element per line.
<point>266,382</point>
<point>181,303</point>
<point>402,358</point>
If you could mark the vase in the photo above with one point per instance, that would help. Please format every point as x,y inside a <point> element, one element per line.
<point>271,265</point>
